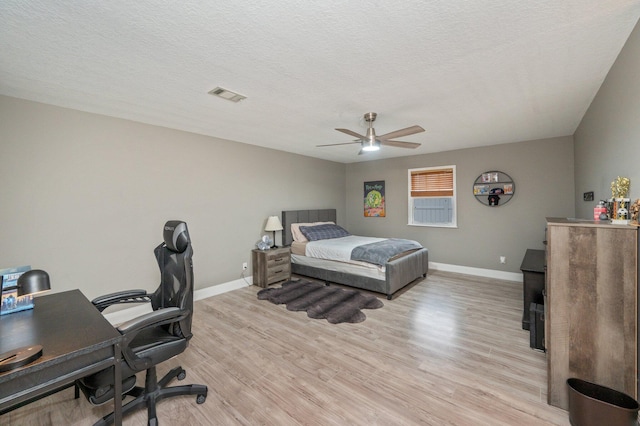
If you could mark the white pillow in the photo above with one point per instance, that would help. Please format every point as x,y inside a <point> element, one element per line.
<point>297,234</point>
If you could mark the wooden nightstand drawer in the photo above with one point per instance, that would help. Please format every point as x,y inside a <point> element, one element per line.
<point>278,274</point>
<point>271,266</point>
<point>277,258</point>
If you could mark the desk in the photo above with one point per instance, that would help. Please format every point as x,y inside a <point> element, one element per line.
<point>76,340</point>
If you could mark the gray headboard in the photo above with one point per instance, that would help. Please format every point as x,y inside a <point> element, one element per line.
<point>303,216</point>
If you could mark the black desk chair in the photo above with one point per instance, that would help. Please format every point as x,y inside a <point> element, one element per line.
<point>154,337</point>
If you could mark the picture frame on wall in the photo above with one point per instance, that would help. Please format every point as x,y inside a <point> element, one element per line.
<point>489,177</point>
<point>480,189</point>
<point>374,199</point>
<point>508,188</point>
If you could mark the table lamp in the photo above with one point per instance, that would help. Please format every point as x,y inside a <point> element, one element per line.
<point>273,224</point>
<point>31,282</point>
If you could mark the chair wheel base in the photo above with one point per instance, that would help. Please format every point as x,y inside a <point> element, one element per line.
<point>155,391</point>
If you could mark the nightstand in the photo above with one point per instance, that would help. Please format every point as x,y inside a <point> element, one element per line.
<point>271,266</point>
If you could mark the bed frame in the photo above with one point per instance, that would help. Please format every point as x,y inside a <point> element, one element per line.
<point>399,272</point>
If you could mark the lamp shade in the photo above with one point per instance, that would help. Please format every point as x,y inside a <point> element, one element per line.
<point>33,281</point>
<point>273,224</point>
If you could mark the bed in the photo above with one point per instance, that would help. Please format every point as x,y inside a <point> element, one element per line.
<point>396,273</point>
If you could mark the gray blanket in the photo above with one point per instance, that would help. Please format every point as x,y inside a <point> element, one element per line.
<point>379,253</point>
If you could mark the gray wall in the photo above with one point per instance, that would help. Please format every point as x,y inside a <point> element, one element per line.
<point>543,174</point>
<point>85,196</point>
<point>607,142</point>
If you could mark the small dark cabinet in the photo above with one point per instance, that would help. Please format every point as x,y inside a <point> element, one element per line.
<point>536,332</point>
<point>533,277</point>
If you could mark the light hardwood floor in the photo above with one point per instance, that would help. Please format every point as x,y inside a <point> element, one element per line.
<point>449,350</point>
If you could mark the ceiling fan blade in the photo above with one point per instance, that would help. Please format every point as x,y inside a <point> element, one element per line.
<point>400,144</point>
<point>402,132</point>
<point>335,144</point>
<point>351,133</point>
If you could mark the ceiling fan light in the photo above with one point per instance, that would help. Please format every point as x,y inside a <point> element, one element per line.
<point>371,142</point>
<point>370,145</point>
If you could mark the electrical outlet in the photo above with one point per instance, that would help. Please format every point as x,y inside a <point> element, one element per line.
<point>503,259</point>
<point>244,266</point>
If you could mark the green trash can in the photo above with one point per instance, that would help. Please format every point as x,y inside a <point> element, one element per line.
<point>595,405</point>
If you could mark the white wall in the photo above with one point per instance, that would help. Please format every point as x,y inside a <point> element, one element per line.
<point>85,196</point>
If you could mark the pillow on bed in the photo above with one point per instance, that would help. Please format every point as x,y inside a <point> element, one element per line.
<point>323,232</point>
<point>298,236</point>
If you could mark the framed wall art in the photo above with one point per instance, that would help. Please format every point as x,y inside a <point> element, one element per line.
<point>374,204</point>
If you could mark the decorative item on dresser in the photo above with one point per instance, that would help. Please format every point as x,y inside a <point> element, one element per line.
<point>591,306</point>
<point>619,200</point>
<point>271,266</point>
<point>634,211</point>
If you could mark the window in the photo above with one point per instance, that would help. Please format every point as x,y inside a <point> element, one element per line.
<point>432,196</point>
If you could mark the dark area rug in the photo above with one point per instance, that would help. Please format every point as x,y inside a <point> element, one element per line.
<point>321,301</point>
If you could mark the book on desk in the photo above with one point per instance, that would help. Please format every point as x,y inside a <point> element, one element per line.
<point>11,302</point>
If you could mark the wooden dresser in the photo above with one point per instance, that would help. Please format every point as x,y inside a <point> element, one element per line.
<point>271,266</point>
<point>591,305</point>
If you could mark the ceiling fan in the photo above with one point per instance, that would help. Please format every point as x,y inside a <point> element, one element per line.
<point>371,142</point>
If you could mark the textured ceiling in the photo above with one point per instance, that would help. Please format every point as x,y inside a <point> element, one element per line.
<point>472,73</point>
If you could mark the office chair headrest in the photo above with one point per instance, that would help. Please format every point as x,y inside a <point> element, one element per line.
<point>176,235</point>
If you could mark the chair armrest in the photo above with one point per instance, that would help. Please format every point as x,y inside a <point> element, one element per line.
<point>152,319</point>
<point>127,296</point>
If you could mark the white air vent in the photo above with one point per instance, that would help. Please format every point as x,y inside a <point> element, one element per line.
<point>227,94</point>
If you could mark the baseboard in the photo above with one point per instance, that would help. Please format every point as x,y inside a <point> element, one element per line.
<point>123,315</point>
<point>215,290</point>
<point>481,272</point>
